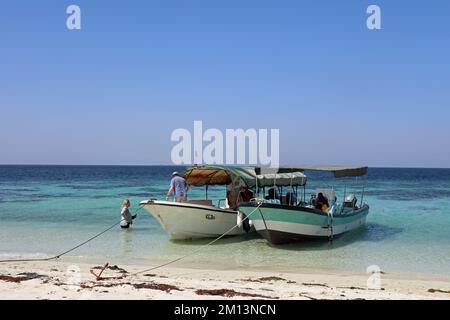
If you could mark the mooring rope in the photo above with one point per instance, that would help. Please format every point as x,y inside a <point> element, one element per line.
<point>146,270</point>
<point>70,250</point>
<point>198,249</point>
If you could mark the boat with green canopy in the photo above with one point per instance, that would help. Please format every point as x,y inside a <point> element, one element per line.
<point>285,217</point>
<point>201,218</point>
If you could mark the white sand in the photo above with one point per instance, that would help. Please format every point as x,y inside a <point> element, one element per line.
<point>64,280</point>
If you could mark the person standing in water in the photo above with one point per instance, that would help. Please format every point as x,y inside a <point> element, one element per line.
<point>125,215</point>
<point>179,188</point>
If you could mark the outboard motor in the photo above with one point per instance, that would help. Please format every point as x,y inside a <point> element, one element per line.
<point>350,201</point>
<point>242,221</point>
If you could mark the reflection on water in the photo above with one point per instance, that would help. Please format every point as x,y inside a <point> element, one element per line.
<point>126,242</point>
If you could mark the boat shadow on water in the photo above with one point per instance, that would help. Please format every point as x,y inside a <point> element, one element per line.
<point>372,232</point>
<point>224,241</point>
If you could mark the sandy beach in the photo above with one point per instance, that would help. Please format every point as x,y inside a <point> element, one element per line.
<point>64,280</point>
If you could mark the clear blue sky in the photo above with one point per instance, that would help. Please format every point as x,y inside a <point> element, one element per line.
<point>112,92</point>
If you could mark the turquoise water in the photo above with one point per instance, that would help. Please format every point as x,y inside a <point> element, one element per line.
<point>45,210</point>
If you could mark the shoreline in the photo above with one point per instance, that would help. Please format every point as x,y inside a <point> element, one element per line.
<point>57,280</point>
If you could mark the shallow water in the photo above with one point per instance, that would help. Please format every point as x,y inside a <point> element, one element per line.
<point>45,210</point>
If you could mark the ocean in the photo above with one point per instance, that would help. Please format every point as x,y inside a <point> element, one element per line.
<point>45,210</point>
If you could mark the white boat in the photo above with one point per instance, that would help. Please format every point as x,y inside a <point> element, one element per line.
<point>200,218</point>
<point>190,220</point>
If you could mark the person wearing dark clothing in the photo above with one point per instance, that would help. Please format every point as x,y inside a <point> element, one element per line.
<point>273,195</point>
<point>322,202</point>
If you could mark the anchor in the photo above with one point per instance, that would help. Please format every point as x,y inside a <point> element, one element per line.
<point>98,277</point>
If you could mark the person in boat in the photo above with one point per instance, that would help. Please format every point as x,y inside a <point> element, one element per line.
<point>245,195</point>
<point>234,196</point>
<point>272,196</point>
<point>125,215</point>
<point>179,188</point>
<point>230,199</point>
<point>322,202</point>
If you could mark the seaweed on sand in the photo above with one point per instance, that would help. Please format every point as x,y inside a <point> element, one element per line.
<point>229,293</point>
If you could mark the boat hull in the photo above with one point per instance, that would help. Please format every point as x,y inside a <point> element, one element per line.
<point>184,221</point>
<point>283,224</point>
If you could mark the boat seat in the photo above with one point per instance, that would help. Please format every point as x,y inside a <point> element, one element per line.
<point>202,202</point>
<point>288,199</point>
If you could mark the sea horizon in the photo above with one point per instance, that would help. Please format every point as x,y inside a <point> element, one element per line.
<point>190,165</point>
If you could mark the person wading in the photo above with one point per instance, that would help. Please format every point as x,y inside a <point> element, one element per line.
<point>125,215</point>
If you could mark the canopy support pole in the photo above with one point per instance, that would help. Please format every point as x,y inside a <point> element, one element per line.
<point>362,196</point>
